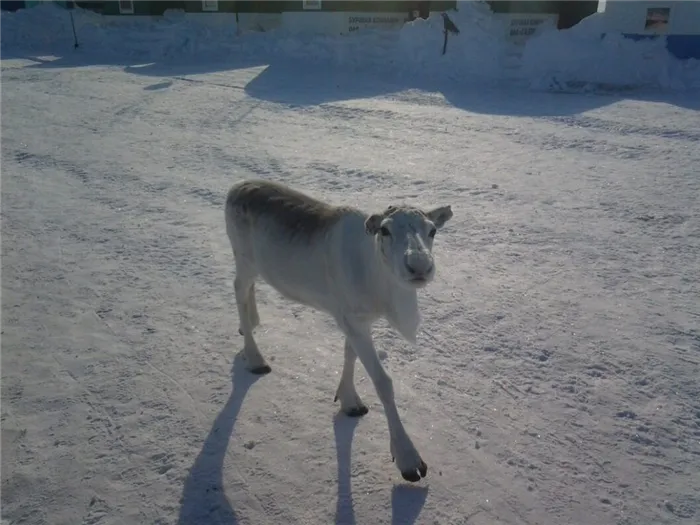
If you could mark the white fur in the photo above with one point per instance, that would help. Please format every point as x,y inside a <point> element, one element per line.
<point>351,271</point>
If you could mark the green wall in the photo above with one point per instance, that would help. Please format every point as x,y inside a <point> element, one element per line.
<point>248,7</point>
<point>240,6</point>
<point>379,6</point>
<point>140,8</point>
<point>524,6</point>
<point>158,7</point>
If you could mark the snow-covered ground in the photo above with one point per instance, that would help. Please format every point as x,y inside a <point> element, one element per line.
<point>555,380</point>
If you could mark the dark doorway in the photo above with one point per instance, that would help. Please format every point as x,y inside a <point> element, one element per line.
<point>6,5</point>
<point>160,7</point>
<point>572,12</point>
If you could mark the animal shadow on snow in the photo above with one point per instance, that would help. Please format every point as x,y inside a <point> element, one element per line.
<point>344,430</point>
<point>407,501</point>
<point>203,499</point>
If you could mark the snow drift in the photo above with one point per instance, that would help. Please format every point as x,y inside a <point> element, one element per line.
<point>46,29</point>
<point>475,53</point>
<point>178,36</point>
<point>591,55</point>
<point>586,56</point>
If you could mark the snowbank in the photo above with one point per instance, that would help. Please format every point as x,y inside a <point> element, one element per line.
<point>473,54</point>
<point>577,58</point>
<point>47,29</point>
<point>415,49</point>
<point>590,56</point>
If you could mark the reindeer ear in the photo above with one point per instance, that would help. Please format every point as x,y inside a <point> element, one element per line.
<point>373,224</point>
<point>439,216</point>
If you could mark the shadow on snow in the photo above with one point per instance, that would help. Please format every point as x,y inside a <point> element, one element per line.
<point>407,501</point>
<point>204,499</point>
<point>297,83</point>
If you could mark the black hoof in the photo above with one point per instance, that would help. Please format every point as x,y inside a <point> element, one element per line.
<point>423,469</point>
<point>261,370</point>
<point>357,411</point>
<point>413,476</point>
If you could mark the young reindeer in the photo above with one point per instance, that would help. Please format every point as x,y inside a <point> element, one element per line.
<point>355,267</point>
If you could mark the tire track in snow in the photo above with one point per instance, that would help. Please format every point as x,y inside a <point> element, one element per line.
<point>347,116</point>
<point>517,347</point>
<point>625,129</point>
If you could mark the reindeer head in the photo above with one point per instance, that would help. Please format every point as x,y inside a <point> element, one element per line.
<point>404,237</point>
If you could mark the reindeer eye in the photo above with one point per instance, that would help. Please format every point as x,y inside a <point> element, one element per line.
<point>432,233</point>
<point>385,231</point>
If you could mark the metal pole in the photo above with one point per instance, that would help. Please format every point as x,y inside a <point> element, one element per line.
<point>75,35</point>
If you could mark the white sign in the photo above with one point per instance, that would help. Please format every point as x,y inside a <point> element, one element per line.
<point>311,4</point>
<point>357,21</point>
<point>521,26</point>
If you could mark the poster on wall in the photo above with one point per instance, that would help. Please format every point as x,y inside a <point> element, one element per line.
<point>311,4</point>
<point>522,26</point>
<point>657,19</point>
<point>357,21</point>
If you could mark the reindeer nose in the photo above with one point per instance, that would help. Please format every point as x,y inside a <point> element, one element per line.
<point>418,263</point>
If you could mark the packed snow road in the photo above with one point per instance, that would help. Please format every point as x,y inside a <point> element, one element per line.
<point>556,376</point>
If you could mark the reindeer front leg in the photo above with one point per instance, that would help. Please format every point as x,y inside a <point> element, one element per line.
<point>408,461</point>
<point>350,401</point>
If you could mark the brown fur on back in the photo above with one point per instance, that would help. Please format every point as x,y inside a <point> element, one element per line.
<point>287,209</point>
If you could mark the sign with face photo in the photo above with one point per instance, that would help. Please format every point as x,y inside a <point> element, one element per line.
<point>657,19</point>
